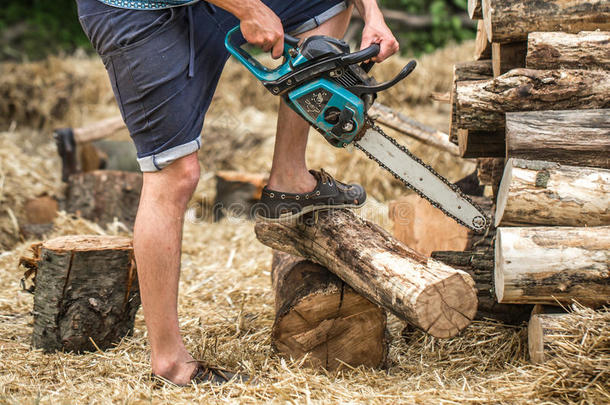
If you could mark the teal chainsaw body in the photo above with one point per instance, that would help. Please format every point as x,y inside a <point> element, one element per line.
<point>323,82</point>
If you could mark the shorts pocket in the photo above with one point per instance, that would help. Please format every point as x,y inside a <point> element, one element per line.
<point>112,29</point>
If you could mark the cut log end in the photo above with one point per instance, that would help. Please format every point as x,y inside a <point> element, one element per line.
<point>499,275</point>
<point>448,306</point>
<point>86,243</point>
<point>535,340</point>
<point>503,190</point>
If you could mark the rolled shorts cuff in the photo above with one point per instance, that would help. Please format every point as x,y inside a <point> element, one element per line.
<point>319,19</point>
<point>158,161</point>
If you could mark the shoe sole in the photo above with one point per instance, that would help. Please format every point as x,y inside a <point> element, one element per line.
<point>307,210</point>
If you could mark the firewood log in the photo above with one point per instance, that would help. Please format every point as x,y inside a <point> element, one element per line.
<point>481,105</point>
<point>512,20</point>
<point>424,292</point>
<point>553,265</point>
<point>319,316</point>
<point>559,50</point>
<point>572,137</point>
<point>543,193</point>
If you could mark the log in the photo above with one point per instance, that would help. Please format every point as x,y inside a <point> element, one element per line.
<point>408,126</point>
<point>475,11</point>
<point>511,21</point>
<point>508,56</point>
<point>478,144</point>
<point>480,266</point>
<point>424,228</point>
<point>103,195</point>
<point>559,50</point>
<point>319,316</point>
<point>553,265</point>
<point>86,292</point>
<point>98,130</point>
<point>477,70</point>
<point>577,137</point>
<point>39,215</point>
<point>424,292</point>
<point>544,331</point>
<point>490,172</point>
<point>481,105</point>
<point>542,193</point>
<point>237,193</point>
<point>482,46</point>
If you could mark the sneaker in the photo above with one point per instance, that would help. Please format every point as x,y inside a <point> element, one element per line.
<point>329,193</point>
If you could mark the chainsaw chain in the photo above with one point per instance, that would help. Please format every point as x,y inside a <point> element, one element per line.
<point>370,124</point>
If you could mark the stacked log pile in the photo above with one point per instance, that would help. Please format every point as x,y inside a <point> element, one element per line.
<point>538,120</point>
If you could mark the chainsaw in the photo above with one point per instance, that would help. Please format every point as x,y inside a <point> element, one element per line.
<point>330,87</point>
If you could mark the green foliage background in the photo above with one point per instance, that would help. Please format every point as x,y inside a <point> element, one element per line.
<point>32,29</point>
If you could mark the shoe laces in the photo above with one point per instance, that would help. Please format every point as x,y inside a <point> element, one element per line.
<point>325,177</point>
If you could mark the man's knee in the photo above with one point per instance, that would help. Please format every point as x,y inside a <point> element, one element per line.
<point>185,173</point>
<point>177,180</point>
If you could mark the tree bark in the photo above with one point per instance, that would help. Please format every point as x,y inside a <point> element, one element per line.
<point>543,331</point>
<point>480,266</point>
<point>508,56</point>
<point>319,316</point>
<point>482,46</point>
<point>533,192</point>
<point>560,50</point>
<point>421,291</point>
<point>465,71</point>
<point>490,172</point>
<point>478,144</point>
<point>475,11</point>
<point>481,105</point>
<point>86,292</point>
<point>236,193</point>
<point>512,20</point>
<point>103,195</point>
<point>572,137</point>
<point>408,126</point>
<point>553,265</point>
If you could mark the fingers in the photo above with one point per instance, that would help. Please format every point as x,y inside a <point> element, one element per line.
<point>278,48</point>
<point>388,48</point>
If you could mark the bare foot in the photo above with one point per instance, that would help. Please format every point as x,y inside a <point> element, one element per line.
<point>178,371</point>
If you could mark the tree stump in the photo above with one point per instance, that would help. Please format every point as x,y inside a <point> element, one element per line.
<point>318,315</point>
<point>103,195</point>
<point>86,292</point>
<point>424,292</point>
<point>544,331</point>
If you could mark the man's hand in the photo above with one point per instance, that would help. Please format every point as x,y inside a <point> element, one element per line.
<point>375,30</point>
<point>261,27</point>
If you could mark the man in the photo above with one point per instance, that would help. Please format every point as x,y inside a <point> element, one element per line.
<point>164,59</point>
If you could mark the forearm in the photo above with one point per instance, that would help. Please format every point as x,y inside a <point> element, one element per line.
<point>368,10</point>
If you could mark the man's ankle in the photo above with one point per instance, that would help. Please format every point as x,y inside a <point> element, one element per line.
<point>302,183</point>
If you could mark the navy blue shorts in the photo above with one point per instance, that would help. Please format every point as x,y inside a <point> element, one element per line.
<point>164,65</point>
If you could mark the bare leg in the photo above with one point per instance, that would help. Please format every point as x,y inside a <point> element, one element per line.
<point>289,169</point>
<point>157,240</point>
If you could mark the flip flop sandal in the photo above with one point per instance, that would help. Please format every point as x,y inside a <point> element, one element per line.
<point>276,206</point>
<point>206,374</point>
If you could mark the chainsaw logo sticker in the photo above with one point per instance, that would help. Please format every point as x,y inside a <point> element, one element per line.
<point>314,102</point>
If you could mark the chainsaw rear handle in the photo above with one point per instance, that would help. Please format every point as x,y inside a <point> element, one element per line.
<point>261,72</point>
<point>362,55</point>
